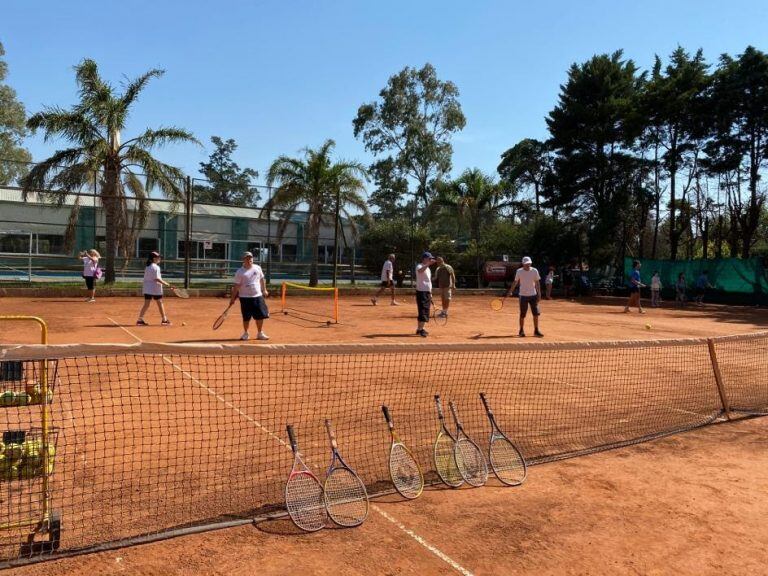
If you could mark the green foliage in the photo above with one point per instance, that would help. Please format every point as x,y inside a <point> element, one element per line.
<point>13,156</point>
<point>125,169</point>
<point>409,132</point>
<point>526,164</point>
<point>227,182</point>
<point>321,184</point>
<point>392,236</point>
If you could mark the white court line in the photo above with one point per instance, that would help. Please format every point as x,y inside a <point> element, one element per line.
<point>434,550</point>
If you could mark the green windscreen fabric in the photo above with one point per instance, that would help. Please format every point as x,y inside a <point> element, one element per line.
<point>726,274</point>
<point>85,233</point>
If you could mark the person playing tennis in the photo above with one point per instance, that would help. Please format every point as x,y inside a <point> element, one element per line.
<point>153,289</point>
<point>446,282</point>
<point>634,288</point>
<point>387,280</point>
<point>423,292</point>
<point>251,287</point>
<point>90,259</point>
<point>529,281</point>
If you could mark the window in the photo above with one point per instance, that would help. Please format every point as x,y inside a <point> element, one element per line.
<point>146,245</point>
<point>14,243</point>
<point>217,251</point>
<point>50,244</point>
<point>101,245</point>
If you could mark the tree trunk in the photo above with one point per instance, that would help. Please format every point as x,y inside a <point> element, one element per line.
<point>657,194</point>
<point>315,245</point>
<point>110,216</point>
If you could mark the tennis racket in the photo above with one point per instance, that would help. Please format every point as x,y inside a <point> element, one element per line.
<point>445,461</point>
<point>180,292</point>
<point>498,303</point>
<point>437,314</point>
<point>345,496</point>
<point>220,320</point>
<point>403,468</point>
<point>506,460</point>
<point>303,493</point>
<point>469,458</point>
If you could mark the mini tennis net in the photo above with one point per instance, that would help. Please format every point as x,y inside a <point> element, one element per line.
<point>155,440</point>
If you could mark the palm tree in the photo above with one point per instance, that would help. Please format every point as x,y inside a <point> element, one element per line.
<point>319,183</point>
<point>93,127</point>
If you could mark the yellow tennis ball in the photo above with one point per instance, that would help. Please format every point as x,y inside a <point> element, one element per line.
<point>183,323</point>
<point>648,326</point>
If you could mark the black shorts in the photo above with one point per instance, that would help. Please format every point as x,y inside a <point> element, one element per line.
<point>423,301</point>
<point>633,289</point>
<point>255,308</point>
<point>701,291</point>
<point>533,302</point>
<point>89,280</point>
<point>386,283</point>
<point>153,296</point>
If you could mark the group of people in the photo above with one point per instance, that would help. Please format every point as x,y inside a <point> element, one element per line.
<point>527,278</point>
<point>681,287</point>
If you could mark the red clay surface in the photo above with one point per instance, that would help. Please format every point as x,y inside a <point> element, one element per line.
<point>691,504</point>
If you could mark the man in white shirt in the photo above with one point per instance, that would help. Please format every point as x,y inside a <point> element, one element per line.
<point>251,287</point>
<point>387,280</point>
<point>529,281</point>
<point>423,292</point>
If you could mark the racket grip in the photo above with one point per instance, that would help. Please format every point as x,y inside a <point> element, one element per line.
<point>452,406</point>
<point>439,405</point>
<point>387,416</point>
<point>485,402</point>
<point>329,429</point>
<point>291,436</point>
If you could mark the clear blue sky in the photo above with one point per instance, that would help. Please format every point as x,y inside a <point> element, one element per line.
<point>278,75</point>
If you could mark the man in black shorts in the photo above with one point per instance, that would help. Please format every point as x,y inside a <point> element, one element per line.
<point>529,281</point>
<point>387,280</point>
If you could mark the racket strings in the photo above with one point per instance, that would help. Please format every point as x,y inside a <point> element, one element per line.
<point>405,472</point>
<point>305,503</point>
<point>506,461</point>
<point>470,462</point>
<point>346,498</point>
<point>445,462</point>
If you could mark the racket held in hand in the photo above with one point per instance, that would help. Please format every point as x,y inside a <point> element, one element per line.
<point>346,498</point>
<point>439,316</point>
<point>304,493</point>
<point>220,320</point>
<point>506,459</point>
<point>445,461</point>
<point>180,292</point>
<point>498,303</point>
<point>469,458</point>
<point>403,469</point>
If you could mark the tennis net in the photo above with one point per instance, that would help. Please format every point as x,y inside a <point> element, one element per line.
<point>318,304</point>
<point>155,440</point>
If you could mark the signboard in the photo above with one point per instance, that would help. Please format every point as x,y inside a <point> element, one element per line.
<point>207,244</point>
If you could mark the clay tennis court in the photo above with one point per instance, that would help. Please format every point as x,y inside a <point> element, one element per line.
<point>686,504</point>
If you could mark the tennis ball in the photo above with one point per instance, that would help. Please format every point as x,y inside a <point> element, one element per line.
<point>8,398</point>
<point>183,323</point>
<point>648,326</point>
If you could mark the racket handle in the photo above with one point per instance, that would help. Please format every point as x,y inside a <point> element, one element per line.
<point>329,429</point>
<point>439,404</point>
<point>452,406</point>
<point>485,403</point>
<point>291,437</point>
<point>387,416</point>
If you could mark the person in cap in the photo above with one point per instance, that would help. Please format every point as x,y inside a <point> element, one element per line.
<point>153,289</point>
<point>634,288</point>
<point>251,288</point>
<point>529,281</point>
<point>387,280</point>
<point>423,292</point>
<point>446,282</point>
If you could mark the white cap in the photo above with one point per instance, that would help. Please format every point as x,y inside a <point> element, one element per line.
<point>247,255</point>
<point>527,260</point>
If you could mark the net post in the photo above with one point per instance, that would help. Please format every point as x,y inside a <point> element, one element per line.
<point>336,305</point>
<point>283,288</point>
<point>718,378</point>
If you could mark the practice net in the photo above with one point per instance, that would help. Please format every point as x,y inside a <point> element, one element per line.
<point>155,440</point>
<point>317,304</point>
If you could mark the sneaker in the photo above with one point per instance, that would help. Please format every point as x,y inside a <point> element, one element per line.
<point>539,334</point>
<point>423,333</point>
<point>262,336</point>
<point>641,311</point>
<point>442,314</point>
<point>373,300</point>
<point>140,322</point>
<point>166,322</point>
<point>245,336</point>
<point>521,334</point>
<point>395,303</point>
<point>626,310</point>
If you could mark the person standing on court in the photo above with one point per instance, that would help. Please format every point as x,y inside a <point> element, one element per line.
<point>251,287</point>
<point>529,281</point>
<point>634,288</point>
<point>446,282</point>
<point>387,280</point>
<point>423,292</point>
<point>90,259</point>
<point>153,289</point>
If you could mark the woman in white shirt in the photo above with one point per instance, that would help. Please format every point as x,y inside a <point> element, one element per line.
<point>153,289</point>
<point>90,260</point>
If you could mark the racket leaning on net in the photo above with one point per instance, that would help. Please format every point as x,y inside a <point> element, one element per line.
<point>346,498</point>
<point>180,292</point>
<point>403,468</point>
<point>498,303</point>
<point>220,320</point>
<point>304,493</point>
<point>469,458</point>
<point>445,461</point>
<point>437,315</point>
<point>506,460</point>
